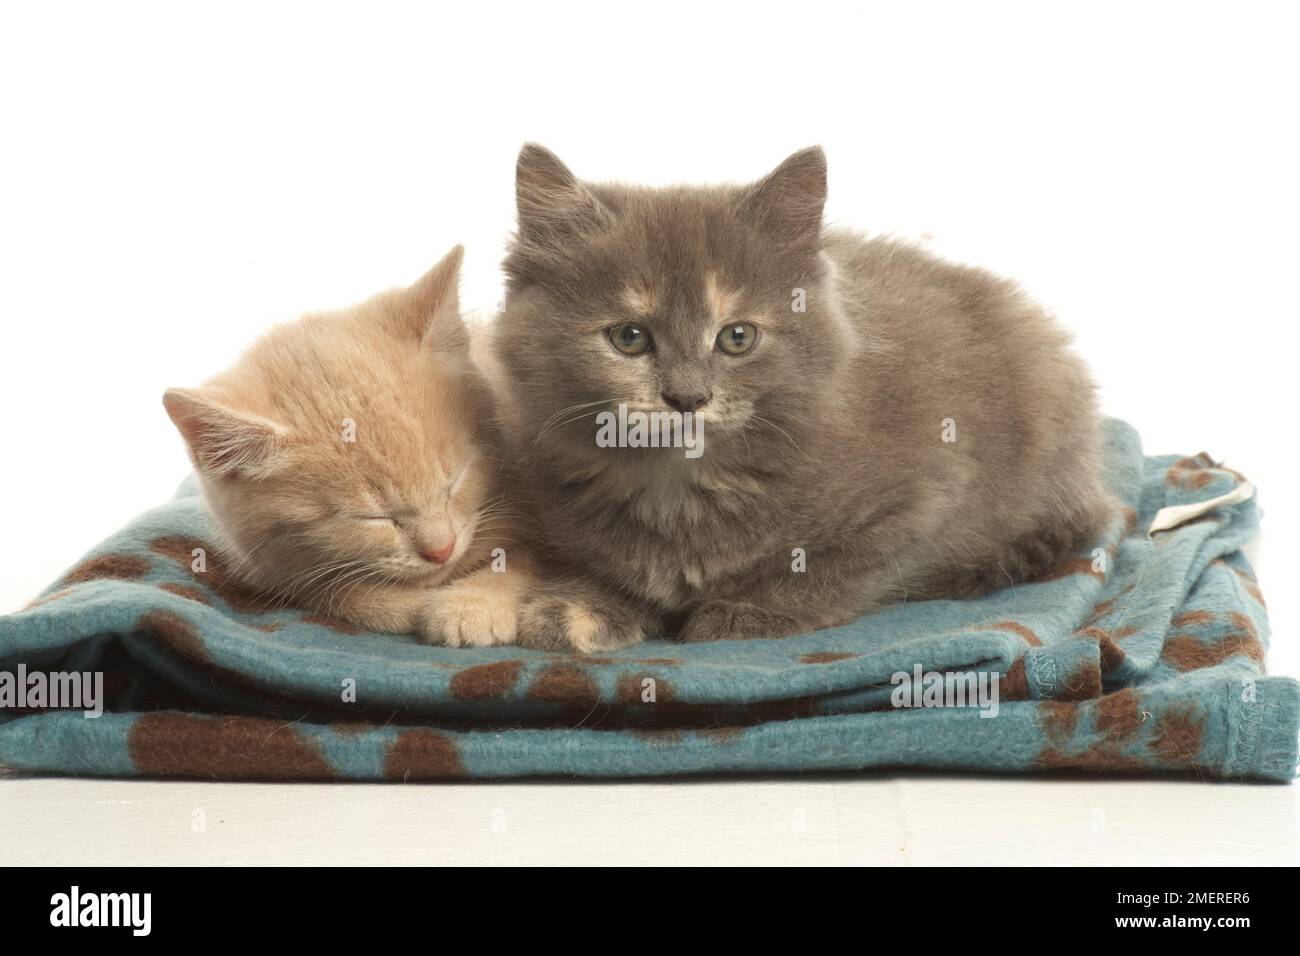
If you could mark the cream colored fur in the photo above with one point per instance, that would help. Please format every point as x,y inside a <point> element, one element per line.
<point>350,461</point>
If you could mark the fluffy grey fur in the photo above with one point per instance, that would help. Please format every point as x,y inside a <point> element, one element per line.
<point>826,439</point>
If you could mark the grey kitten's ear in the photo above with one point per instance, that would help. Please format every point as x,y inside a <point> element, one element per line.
<point>435,301</point>
<point>225,443</point>
<point>550,200</point>
<point>790,199</point>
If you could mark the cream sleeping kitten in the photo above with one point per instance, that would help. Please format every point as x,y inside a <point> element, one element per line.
<point>350,462</point>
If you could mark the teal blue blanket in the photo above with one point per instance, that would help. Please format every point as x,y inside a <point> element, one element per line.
<point>1144,655</point>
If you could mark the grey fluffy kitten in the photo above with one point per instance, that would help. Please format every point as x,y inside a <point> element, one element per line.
<point>832,374</point>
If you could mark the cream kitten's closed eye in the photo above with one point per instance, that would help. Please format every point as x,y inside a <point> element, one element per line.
<point>458,481</point>
<point>416,525</point>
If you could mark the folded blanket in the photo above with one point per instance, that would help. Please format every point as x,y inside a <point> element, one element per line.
<point>1144,655</point>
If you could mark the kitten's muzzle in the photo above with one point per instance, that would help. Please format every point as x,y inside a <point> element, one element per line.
<point>438,554</point>
<point>691,401</point>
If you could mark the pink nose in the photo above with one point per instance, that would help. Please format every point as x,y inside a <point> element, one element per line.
<point>439,555</point>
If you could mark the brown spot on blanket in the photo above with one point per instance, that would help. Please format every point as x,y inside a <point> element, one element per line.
<point>827,657</point>
<point>1099,758</point>
<point>1102,609</point>
<point>1112,655</point>
<point>1186,470</point>
<point>1116,720</point>
<point>1130,520</point>
<point>1015,684</point>
<point>423,755</point>
<point>185,591</point>
<point>1118,716</point>
<point>1184,652</point>
<point>178,634</point>
<point>486,681</point>
<point>123,567</point>
<point>660,738</point>
<point>215,574</point>
<point>564,684</point>
<point>1058,720</point>
<point>720,735</point>
<point>1082,683</point>
<point>223,748</point>
<point>1015,627</point>
<point>1178,735</point>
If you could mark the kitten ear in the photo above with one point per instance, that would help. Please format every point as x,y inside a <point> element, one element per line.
<point>435,301</point>
<point>550,200</point>
<point>225,443</point>
<point>790,199</point>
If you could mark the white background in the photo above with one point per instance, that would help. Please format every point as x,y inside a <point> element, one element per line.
<point>175,180</point>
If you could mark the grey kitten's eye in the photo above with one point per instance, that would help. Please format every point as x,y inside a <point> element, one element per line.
<point>737,339</point>
<point>630,339</point>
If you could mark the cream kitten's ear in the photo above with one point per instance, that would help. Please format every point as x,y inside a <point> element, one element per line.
<point>790,199</point>
<point>225,443</point>
<point>551,202</point>
<point>435,299</point>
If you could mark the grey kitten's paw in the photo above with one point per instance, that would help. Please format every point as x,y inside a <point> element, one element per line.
<point>736,621</point>
<point>556,623</point>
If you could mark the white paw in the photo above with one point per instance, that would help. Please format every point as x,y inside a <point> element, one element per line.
<point>471,616</point>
